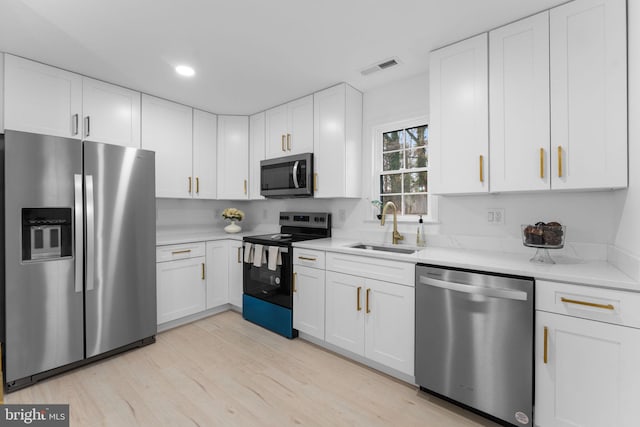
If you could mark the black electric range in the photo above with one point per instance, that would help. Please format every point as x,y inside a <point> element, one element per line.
<point>267,286</point>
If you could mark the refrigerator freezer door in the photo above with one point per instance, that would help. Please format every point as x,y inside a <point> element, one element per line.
<point>43,309</point>
<point>120,297</point>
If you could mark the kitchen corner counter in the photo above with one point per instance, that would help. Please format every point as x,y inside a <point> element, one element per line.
<point>179,236</point>
<point>593,273</point>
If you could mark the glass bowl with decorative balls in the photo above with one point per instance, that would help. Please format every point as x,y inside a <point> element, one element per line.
<point>543,237</point>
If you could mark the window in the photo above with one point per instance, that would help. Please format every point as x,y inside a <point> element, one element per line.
<point>403,167</point>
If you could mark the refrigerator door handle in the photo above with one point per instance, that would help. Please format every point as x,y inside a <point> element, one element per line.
<point>89,206</point>
<point>78,228</point>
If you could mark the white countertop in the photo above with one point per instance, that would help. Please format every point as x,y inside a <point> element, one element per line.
<point>593,273</point>
<point>178,235</point>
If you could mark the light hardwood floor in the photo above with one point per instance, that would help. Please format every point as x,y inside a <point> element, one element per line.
<point>224,371</point>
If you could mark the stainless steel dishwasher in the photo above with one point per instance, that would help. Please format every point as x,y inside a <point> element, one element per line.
<point>474,340</point>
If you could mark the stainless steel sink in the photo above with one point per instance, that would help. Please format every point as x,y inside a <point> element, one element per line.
<point>398,250</point>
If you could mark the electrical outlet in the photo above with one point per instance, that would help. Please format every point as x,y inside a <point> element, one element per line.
<point>495,216</point>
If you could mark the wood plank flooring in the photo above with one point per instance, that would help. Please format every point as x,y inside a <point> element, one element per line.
<point>224,371</point>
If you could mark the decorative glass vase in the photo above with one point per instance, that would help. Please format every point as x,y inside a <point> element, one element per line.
<point>233,227</point>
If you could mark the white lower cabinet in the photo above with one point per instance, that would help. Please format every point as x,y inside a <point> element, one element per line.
<point>590,375</point>
<point>308,300</point>
<point>235,272</point>
<point>217,273</point>
<point>181,288</point>
<point>371,318</point>
<point>587,351</point>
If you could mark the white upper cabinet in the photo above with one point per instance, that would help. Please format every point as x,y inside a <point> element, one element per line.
<point>589,94</point>
<point>256,153</point>
<point>47,100</point>
<point>459,128</point>
<point>289,128</point>
<point>233,157</point>
<point>337,142</point>
<point>42,99</point>
<point>519,105</point>
<point>111,113</point>
<point>167,129</point>
<point>205,144</point>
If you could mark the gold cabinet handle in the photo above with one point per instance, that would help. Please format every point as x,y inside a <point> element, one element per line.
<point>588,304</point>
<point>288,142</point>
<point>481,168</point>
<point>282,144</point>
<point>559,161</point>
<point>368,292</point>
<point>315,182</point>
<point>358,306</point>
<point>307,258</point>
<point>197,185</point>
<point>239,258</point>
<point>189,185</point>
<point>545,345</point>
<point>295,277</point>
<point>245,186</point>
<point>542,163</point>
<point>186,251</point>
<point>203,271</point>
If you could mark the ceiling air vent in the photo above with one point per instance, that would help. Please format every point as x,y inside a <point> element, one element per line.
<point>387,63</point>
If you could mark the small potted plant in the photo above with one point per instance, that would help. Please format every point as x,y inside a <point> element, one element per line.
<point>232,215</point>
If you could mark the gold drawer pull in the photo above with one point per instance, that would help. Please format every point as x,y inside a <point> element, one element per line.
<point>245,186</point>
<point>560,161</point>
<point>542,163</point>
<point>307,258</point>
<point>295,277</point>
<point>239,257</point>
<point>197,185</point>
<point>186,251</point>
<point>189,184</point>
<point>368,292</point>
<point>358,306</point>
<point>315,182</point>
<point>546,345</point>
<point>283,146</point>
<point>481,168</point>
<point>588,304</point>
<point>288,142</point>
<point>203,271</point>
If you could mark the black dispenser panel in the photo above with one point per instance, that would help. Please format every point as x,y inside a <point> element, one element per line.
<point>46,233</point>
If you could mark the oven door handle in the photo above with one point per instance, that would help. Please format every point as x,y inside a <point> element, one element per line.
<point>478,290</point>
<point>295,174</point>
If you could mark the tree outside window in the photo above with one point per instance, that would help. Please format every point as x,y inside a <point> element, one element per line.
<point>405,165</point>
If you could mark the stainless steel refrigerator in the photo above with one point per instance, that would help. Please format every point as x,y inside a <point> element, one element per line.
<point>78,230</point>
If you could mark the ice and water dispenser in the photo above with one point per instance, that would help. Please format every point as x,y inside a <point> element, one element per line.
<point>46,233</point>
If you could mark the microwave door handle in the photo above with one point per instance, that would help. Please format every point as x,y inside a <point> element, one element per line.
<point>295,174</point>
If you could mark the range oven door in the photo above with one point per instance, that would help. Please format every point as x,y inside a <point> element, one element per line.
<point>268,285</point>
<point>290,176</point>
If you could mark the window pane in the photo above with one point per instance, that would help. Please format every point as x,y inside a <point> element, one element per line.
<point>392,140</point>
<point>391,183</point>
<point>415,182</point>
<point>397,200</point>
<point>417,137</point>
<point>392,161</point>
<point>416,158</point>
<point>415,204</point>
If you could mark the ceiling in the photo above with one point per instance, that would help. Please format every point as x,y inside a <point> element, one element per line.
<point>249,55</point>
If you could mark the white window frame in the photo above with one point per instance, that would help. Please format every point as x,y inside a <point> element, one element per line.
<point>377,132</point>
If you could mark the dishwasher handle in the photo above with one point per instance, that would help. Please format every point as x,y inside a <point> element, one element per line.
<point>478,290</point>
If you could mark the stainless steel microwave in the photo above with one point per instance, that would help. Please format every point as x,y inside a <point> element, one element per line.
<point>285,177</point>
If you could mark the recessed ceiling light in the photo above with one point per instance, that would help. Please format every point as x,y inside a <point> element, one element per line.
<point>185,70</point>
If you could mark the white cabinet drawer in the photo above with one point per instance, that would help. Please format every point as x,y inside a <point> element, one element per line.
<point>308,257</point>
<point>605,305</point>
<point>181,251</point>
<point>374,268</point>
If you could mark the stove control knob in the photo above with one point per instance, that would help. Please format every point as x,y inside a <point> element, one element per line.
<point>277,280</point>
